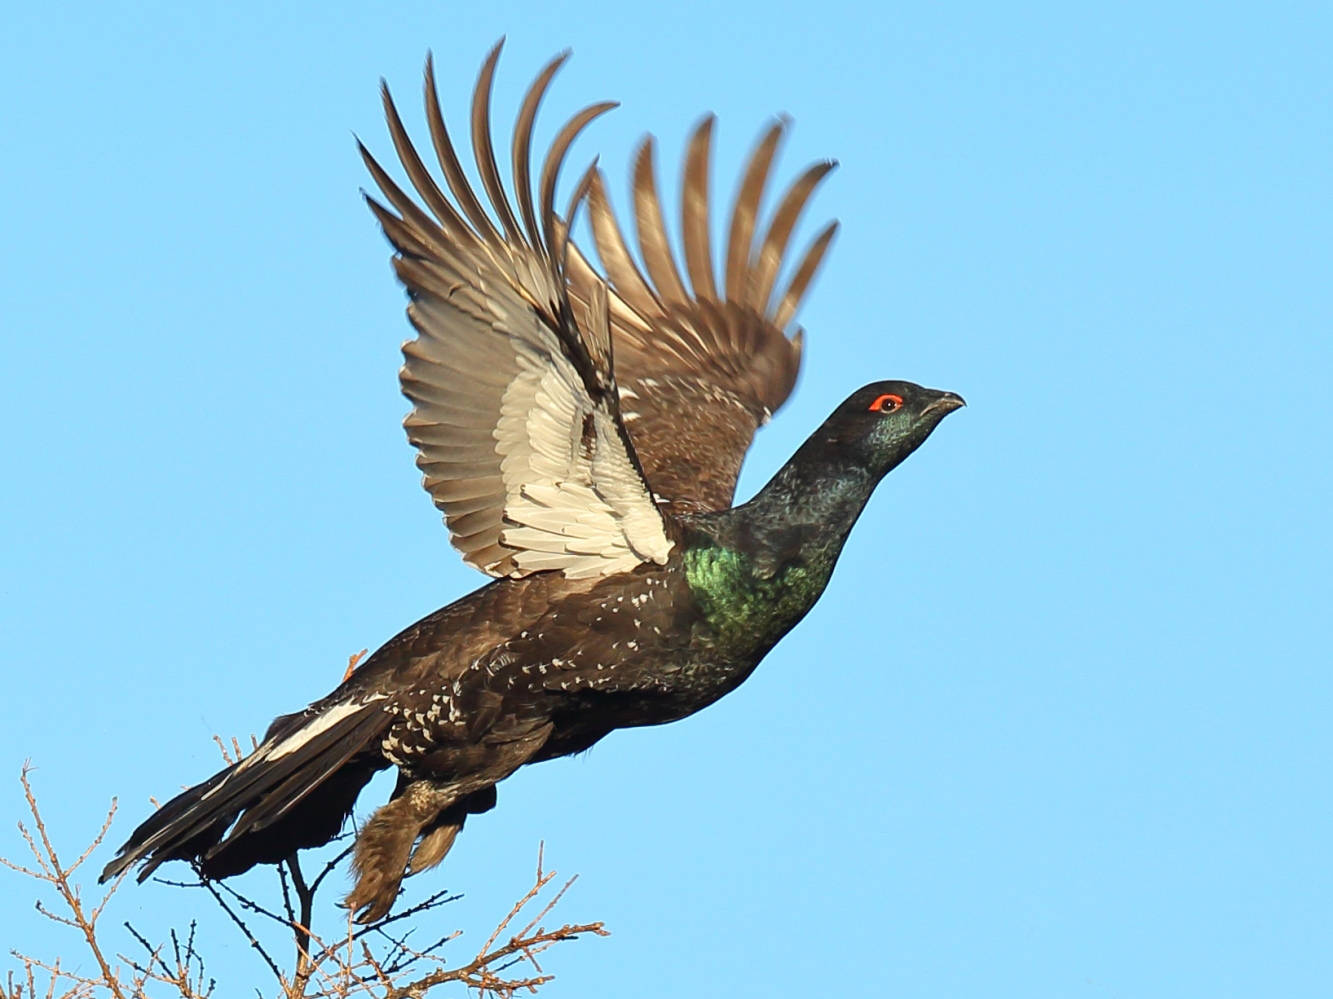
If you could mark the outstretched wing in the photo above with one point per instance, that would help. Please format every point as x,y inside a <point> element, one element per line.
<point>701,368</point>
<point>515,413</point>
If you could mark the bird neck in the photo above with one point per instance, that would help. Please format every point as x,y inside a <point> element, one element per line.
<point>813,500</point>
<point>757,569</point>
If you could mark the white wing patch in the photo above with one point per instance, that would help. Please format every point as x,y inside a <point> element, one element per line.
<point>574,501</point>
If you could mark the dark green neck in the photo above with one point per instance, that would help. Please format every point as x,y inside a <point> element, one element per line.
<point>757,569</point>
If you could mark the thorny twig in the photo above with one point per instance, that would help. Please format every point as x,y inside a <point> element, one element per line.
<point>52,872</point>
<point>348,967</point>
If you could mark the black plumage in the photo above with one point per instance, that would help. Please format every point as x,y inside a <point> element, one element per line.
<point>582,435</point>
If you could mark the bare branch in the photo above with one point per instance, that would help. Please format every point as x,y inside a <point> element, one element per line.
<point>58,876</point>
<point>352,661</point>
<point>364,961</point>
<point>245,930</point>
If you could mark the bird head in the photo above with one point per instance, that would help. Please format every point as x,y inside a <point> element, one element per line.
<point>880,424</point>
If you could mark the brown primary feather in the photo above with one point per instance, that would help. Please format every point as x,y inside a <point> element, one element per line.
<point>652,229</point>
<point>805,273</point>
<point>522,145</point>
<point>448,159</point>
<point>483,149</point>
<point>773,249</point>
<point>694,211</point>
<point>629,284</point>
<point>746,211</point>
<point>552,229</point>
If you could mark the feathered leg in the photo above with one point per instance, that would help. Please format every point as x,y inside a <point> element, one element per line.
<point>385,843</point>
<point>434,811</point>
<point>439,837</point>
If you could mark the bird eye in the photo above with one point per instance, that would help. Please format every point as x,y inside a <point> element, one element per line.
<point>886,403</point>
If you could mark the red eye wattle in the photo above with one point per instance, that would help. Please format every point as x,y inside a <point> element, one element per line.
<point>886,403</point>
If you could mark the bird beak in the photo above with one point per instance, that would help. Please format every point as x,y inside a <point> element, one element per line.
<point>946,403</point>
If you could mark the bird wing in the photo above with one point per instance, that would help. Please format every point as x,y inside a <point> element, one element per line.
<point>515,414</point>
<point>699,367</point>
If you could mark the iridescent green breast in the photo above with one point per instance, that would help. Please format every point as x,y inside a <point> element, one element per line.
<point>747,606</point>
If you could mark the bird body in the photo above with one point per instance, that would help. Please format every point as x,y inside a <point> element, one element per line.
<point>582,435</point>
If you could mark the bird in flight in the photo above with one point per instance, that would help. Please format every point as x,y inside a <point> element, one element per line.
<point>582,428</point>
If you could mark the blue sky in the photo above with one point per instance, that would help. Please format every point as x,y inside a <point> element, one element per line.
<point>1059,726</point>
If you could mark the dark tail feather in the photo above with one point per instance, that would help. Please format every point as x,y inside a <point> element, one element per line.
<point>320,817</point>
<point>315,761</point>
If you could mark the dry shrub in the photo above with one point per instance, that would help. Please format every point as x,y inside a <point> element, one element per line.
<point>372,960</point>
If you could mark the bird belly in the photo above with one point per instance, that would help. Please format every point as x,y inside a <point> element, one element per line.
<point>630,697</point>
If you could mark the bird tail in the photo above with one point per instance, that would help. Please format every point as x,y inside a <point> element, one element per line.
<point>295,790</point>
